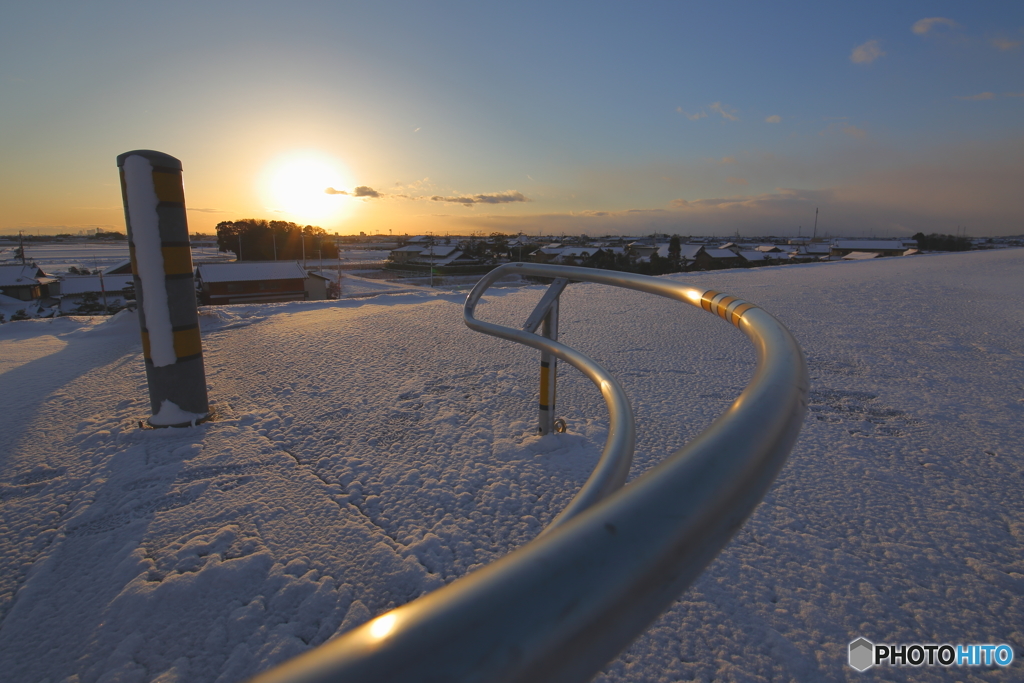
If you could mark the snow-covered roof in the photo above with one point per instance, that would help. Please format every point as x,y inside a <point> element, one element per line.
<point>860,255</point>
<point>409,249</point>
<point>689,251</point>
<point>124,266</point>
<point>720,253</point>
<point>247,272</point>
<point>80,284</point>
<point>755,256</point>
<point>449,258</point>
<point>14,275</point>
<point>439,251</point>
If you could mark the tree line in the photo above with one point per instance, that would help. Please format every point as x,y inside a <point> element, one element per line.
<point>253,239</point>
<point>936,242</point>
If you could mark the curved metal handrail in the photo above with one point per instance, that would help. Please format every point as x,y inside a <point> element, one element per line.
<point>613,466</point>
<point>563,605</point>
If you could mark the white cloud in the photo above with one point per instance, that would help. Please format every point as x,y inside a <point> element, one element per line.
<point>726,111</point>
<point>774,119</point>
<point>855,132</point>
<point>1004,44</point>
<point>979,96</point>
<point>693,117</point>
<point>923,26</point>
<point>867,53</point>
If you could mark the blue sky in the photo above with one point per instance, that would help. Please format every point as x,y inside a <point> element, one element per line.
<point>686,117</point>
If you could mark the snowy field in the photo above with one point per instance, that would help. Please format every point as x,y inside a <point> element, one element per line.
<point>368,450</point>
<point>58,257</point>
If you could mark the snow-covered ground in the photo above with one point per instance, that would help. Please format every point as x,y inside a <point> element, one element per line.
<point>58,257</point>
<point>368,450</point>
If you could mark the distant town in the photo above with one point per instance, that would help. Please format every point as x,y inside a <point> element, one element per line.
<point>251,262</point>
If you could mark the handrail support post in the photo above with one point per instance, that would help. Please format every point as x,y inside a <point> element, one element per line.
<point>545,316</point>
<point>548,371</point>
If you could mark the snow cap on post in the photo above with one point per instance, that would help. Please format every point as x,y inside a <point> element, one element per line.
<point>154,212</point>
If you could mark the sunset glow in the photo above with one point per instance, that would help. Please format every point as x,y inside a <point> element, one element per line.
<point>294,185</point>
<point>696,119</point>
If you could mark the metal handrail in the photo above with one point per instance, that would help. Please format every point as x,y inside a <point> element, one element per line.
<point>563,605</point>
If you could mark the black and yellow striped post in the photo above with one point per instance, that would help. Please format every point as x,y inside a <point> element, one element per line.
<point>548,372</point>
<point>154,209</point>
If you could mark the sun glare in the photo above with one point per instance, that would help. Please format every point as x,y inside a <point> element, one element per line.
<point>295,184</point>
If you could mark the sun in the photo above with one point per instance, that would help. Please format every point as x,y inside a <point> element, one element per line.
<point>294,184</point>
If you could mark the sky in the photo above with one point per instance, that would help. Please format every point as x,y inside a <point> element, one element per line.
<point>460,117</point>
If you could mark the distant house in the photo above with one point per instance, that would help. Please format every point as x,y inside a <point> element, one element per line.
<point>122,268</point>
<point>252,282</point>
<point>712,259</point>
<point>860,255</point>
<point>815,250</point>
<point>436,255</point>
<point>572,256</point>
<point>439,254</point>
<point>548,253</point>
<point>643,250</point>
<point>27,282</point>
<point>688,253</point>
<point>406,254</point>
<point>880,247</point>
<point>118,290</point>
<point>316,286</point>
<point>755,258</point>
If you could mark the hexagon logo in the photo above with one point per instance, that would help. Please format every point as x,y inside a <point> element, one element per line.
<point>862,654</point>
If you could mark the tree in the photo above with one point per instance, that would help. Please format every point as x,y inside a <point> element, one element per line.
<point>936,242</point>
<point>498,245</point>
<point>675,249</point>
<point>89,305</point>
<point>252,239</point>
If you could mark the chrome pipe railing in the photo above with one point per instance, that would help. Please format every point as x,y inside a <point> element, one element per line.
<point>563,605</point>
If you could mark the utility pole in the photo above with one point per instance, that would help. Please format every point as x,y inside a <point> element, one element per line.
<point>815,234</point>
<point>103,290</point>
